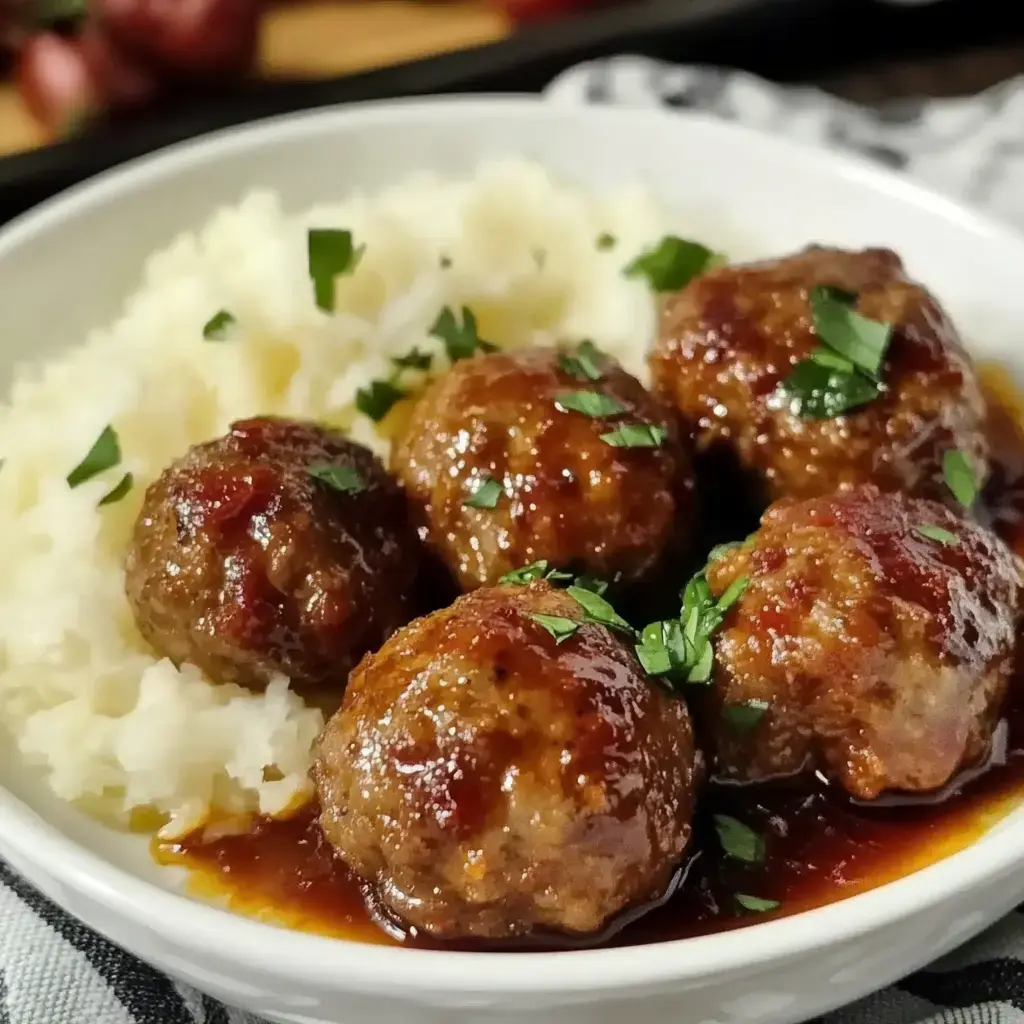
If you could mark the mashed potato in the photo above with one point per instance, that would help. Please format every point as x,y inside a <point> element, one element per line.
<point>111,724</point>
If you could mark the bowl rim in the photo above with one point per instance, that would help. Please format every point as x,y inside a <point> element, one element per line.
<point>363,967</point>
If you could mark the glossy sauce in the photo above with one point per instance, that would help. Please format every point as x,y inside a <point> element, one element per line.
<point>819,845</point>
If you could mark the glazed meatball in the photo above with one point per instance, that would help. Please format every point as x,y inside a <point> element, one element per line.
<point>282,547</point>
<point>496,782</point>
<point>559,491</point>
<point>728,340</point>
<point>875,639</point>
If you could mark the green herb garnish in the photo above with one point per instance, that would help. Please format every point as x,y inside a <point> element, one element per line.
<point>486,494</point>
<point>672,263</point>
<point>378,399</point>
<point>605,241</point>
<point>744,717</point>
<point>938,533</point>
<point>592,583</point>
<point>583,362</point>
<point>414,359</point>
<point>636,435</point>
<point>330,254</point>
<point>845,372</point>
<point>560,628</point>
<point>680,650</point>
<point>818,392</point>
<point>460,340</point>
<point>845,331</point>
<point>344,479</point>
<point>739,841</point>
<point>959,475</point>
<point>103,455</point>
<point>598,610</point>
<point>755,904</point>
<point>590,403</point>
<point>446,262</point>
<point>116,493</point>
<point>539,570</point>
<point>218,327</point>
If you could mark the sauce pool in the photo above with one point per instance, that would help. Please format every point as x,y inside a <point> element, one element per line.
<point>820,846</point>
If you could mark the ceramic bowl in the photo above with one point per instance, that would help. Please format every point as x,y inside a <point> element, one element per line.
<point>68,264</point>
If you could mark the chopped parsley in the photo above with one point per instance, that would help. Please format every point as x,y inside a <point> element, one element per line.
<point>560,628</point>
<point>539,570</point>
<point>597,609</point>
<point>590,403</point>
<point>414,359</point>
<point>330,254</point>
<point>755,904</point>
<point>845,331</point>
<point>583,362</point>
<point>845,372</point>
<point>377,400</point>
<point>739,841</point>
<point>445,261</point>
<point>485,495</point>
<point>959,476</point>
<point>103,455</point>
<point>819,392</point>
<point>218,327</point>
<point>680,651</point>
<point>743,718</point>
<point>116,493</point>
<point>672,263</point>
<point>605,241</point>
<point>636,435</point>
<point>344,479</point>
<point>460,340</point>
<point>938,533</point>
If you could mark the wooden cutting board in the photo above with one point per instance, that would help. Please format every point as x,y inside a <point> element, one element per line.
<point>320,38</point>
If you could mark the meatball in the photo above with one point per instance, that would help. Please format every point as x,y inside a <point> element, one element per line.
<point>557,490</point>
<point>282,547</point>
<point>495,781</point>
<point>728,340</point>
<point>874,642</point>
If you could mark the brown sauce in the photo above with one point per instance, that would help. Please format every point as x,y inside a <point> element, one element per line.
<point>820,846</point>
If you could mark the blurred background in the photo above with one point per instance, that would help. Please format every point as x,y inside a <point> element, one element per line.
<point>87,83</point>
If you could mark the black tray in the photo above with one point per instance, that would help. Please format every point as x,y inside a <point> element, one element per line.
<point>784,40</point>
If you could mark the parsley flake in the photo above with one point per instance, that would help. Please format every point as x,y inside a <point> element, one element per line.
<point>959,476</point>
<point>486,494</point>
<point>590,403</point>
<point>938,533</point>
<point>755,904</point>
<point>378,399</point>
<point>330,254</point>
<point>744,717</point>
<point>598,610</point>
<point>636,435</point>
<point>414,359</point>
<point>605,241</point>
<point>820,392</point>
<point>103,455</point>
<point>739,841</point>
<point>116,493</point>
<point>851,334</point>
<point>583,362</point>
<point>218,327</point>
<point>672,263</point>
<point>460,340</point>
<point>344,479</point>
<point>539,570</point>
<point>560,628</point>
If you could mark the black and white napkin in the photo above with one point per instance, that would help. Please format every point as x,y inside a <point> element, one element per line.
<point>55,971</point>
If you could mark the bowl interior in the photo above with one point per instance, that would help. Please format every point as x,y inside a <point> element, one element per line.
<point>68,266</point>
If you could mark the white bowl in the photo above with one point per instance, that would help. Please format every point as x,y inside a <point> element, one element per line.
<point>67,265</point>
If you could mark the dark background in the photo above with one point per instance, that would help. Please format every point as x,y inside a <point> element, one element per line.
<point>864,49</point>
